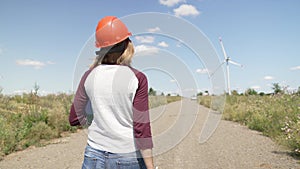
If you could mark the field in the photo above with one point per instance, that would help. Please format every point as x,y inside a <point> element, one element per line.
<point>30,119</point>
<point>276,116</point>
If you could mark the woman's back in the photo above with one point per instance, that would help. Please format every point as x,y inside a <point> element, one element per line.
<point>111,89</point>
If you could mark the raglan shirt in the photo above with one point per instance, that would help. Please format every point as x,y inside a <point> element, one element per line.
<point>118,96</point>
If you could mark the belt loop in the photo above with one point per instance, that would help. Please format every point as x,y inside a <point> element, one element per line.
<point>106,154</point>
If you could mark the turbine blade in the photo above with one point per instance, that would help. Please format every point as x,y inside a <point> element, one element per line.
<point>235,63</point>
<point>210,75</point>
<point>223,49</point>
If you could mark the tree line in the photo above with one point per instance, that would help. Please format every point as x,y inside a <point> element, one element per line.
<point>276,87</point>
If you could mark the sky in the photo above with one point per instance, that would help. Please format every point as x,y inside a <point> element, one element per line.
<point>51,43</point>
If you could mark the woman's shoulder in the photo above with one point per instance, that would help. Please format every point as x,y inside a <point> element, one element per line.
<point>138,73</point>
<point>86,74</point>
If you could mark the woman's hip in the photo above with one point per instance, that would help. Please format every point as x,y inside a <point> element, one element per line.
<point>94,158</point>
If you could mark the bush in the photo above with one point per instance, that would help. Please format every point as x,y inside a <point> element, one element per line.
<point>40,131</point>
<point>7,137</point>
<point>26,121</point>
<point>155,101</point>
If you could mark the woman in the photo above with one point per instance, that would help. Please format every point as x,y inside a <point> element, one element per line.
<point>119,135</point>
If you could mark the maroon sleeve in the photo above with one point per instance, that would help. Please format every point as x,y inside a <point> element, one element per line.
<point>77,113</point>
<point>141,118</point>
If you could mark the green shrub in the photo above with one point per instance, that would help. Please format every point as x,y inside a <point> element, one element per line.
<point>155,101</point>
<point>40,131</point>
<point>27,120</point>
<point>58,119</point>
<point>7,137</point>
<point>171,99</point>
<point>205,100</point>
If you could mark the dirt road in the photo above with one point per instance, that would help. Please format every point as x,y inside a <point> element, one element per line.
<point>232,146</point>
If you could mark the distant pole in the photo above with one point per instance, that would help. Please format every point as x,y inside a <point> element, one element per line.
<point>228,81</point>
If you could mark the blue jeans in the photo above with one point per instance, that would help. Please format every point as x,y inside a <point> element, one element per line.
<point>97,159</point>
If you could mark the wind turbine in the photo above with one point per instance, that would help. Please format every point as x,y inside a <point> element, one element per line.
<point>227,60</point>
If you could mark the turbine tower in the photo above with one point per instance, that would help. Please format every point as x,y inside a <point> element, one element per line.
<point>227,60</point>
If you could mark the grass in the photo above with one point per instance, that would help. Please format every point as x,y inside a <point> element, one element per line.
<point>277,117</point>
<point>155,101</point>
<point>29,119</point>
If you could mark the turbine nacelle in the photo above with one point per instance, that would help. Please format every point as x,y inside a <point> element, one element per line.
<point>227,60</point>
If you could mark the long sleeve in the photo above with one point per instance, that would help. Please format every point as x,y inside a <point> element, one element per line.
<point>142,128</point>
<point>77,112</point>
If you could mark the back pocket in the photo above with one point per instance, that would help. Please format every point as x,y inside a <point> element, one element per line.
<point>128,164</point>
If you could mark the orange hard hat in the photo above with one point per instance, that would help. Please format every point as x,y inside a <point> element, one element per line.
<point>110,31</point>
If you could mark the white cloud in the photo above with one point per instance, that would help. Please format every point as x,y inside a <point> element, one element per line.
<point>163,44</point>
<point>202,71</point>
<point>256,87</point>
<point>292,68</point>
<point>28,62</point>
<point>186,10</point>
<point>170,3</point>
<point>152,30</point>
<point>145,50</point>
<point>173,81</point>
<point>145,39</point>
<point>268,77</point>
<point>33,63</point>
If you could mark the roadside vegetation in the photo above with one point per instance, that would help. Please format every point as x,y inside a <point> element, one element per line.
<point>276,115</point>
<point>28,119</point>
<point>161,99</point>
<point>32,120</point>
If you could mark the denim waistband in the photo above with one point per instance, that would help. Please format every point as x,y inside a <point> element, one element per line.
<point>107,154</point>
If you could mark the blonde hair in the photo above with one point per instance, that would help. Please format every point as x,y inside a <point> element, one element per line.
<point>119,58</point>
